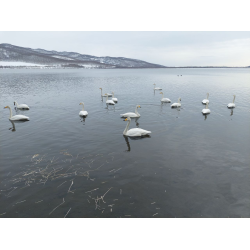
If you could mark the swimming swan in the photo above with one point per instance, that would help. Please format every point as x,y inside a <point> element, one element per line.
<point>205,100</point>
<point>109,102</point>
<point>164,99</point>
<point>156,88</point>
<point>21,106</point>
<point>206,110</point>
<point>17,117</point>
<point>131,114</point>
<point>82,112</point>
<point>231,105</point>
<point>176,104</point>
<point>113,98</point>
<point>105,94</point>
<point>134,131</point>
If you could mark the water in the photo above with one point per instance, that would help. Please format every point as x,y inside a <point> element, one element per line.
<point>58,164</point>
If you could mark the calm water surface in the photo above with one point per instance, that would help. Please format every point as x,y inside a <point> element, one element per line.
<point>58,164</point>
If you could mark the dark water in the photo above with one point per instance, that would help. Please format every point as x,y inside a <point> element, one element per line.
<point>59,164</point>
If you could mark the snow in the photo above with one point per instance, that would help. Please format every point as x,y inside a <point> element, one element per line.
<point>18,64</point>
<point>63,57</point>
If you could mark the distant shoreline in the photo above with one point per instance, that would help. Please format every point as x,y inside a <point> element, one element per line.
<point>191,67</point>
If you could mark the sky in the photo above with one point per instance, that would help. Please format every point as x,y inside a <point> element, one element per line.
<point>168,48</point>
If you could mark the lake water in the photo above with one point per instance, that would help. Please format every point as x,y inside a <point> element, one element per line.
<point>58,164</point>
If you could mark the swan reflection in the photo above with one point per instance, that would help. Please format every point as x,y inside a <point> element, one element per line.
<point>232,112</point>
<point>13,128</point>
<point>127,142</point>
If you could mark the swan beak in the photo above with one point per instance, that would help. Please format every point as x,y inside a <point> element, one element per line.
<point>5,107</point>
<point>126,119</point>
<point>139,106</point>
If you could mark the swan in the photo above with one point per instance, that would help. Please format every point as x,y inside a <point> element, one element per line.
<point>134,131</point>
<point>231,105</point>
<point>206,110</point>
<point>205,100</point>
<point>176,104</point>
<point>17,117</point>
<point>156,88</point>
<point>131,114</point>
<point>82,112</point>
<point>105,94</point>
<point>114,99</point>
<point>164,99</point>
<point>109,102</point>
<point>21,106</point>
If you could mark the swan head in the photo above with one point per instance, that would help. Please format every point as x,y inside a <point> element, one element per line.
<point>7,107</point>
<point>100,88</point>
<point>161,93</point>
<point>154,84</point>
<point>128,119</point>
<point>138,106</point>
<point>234,95</point>
<point>81,103</point>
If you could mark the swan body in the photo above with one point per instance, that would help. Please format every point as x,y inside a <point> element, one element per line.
<point>231,105</point>
<point>205,101</point>
<point>83,112</point>
<point>131,114</point>
<point>21,106</point>
<point>17,117</point>
<point>109,102</point>
<point>105,94</point>
<point>113,98</point>
<point>176,104</point>
<point>134,131</point>
<point>156,88</point>
<point>206,110</point>
<point>164,99</point>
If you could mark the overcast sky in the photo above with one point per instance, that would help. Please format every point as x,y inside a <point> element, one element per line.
<point>168,48</point>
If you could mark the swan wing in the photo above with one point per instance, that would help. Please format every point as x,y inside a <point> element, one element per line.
<point>165,100</point>
<point>205,101</point>
<point>231,105</point>
<point>20,118</point>
<point>23,106</point>
<point>137,132</point>
<point>83,113</point>
<point>130,114</point>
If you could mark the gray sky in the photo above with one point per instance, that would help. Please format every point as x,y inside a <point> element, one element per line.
<point>169,48</point>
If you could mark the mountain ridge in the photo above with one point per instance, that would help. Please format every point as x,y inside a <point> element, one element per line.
<point>42,57</point>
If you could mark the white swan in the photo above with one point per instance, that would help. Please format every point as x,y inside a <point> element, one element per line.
<point>17,117</point>
<point>156,88</point>
<point>21,106</point>
<point>113,98</point>
<point>82,112</point>
<point>131,114</point>
<point>176,104</point>
<point>105,94</point>
<point>231,105</point>
<point>134,131</point>
<point>109,102</point>
<point>164,99</point>
<point>206,110</point>
<point>205,101</point>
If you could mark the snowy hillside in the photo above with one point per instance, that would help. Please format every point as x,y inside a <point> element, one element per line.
<point>20,56</point>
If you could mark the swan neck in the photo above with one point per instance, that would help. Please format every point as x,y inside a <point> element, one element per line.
<point>113,95</point>
<point>136,110</point>
<point>107,97</point>
<point>162,95</point>
<point>16,103</point>
<point>127,126</point>
<point>101,91</point>
<point>234,99</point>
<point>179,100</point>
<point>207,95</point>
<point>10,112</point>
<point>206,105</point>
